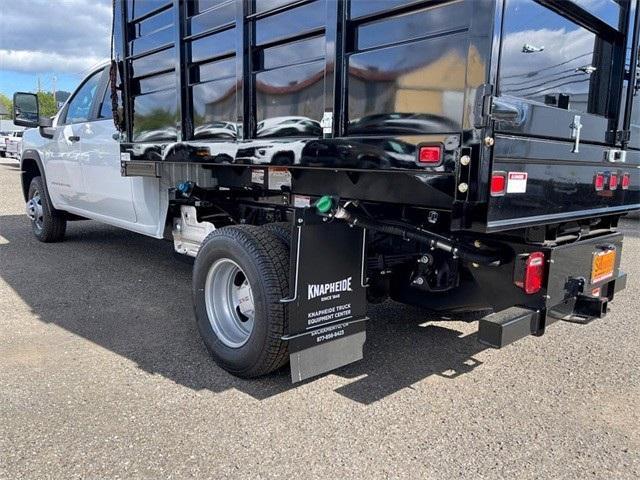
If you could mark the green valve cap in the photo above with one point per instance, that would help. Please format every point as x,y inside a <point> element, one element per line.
<point>324,204</point>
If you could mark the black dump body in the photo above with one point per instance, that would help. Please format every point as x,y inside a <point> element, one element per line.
<point>345,93</point>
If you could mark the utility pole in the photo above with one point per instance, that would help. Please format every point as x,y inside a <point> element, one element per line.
<point>55,100</point>
<point>38,83</point>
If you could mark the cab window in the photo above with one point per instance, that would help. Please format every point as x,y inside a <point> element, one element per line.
<point>105,107</point>
<point>79,109</point>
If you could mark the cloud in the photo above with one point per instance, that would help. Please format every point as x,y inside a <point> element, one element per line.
<point>33,61</point>
<point>67,36</point>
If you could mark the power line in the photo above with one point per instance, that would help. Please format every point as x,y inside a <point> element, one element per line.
<point>524,89</point>
<point>531,79</point>
<point>552,66</point>
<point>554,86</point>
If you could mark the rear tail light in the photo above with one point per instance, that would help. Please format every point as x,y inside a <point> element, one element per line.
<point>531,278</point>
<point>430,155</point>
<point>613,181</point>
<point>598,181</point>
<point>626,180</point>
<point>498,184</point>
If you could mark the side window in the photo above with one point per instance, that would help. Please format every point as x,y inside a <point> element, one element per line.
<point>105,106</point>
<point>79,108</point>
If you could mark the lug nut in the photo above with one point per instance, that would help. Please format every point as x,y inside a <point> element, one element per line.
<point>418,281</point>
<point>463,187</point>
<point>465,160</point>
<point>489,141</point>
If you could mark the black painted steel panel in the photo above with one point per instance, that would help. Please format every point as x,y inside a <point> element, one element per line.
<point>359,86</point>
<point>560,184</point>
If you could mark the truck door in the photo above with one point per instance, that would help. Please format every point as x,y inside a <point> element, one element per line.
<point>62,153</point>
<point>107,192</point>
<point>555,110</point>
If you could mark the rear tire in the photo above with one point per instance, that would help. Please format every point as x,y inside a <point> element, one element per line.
<point>48,224</point>
<point>239,277</point>
<point>281,230</point>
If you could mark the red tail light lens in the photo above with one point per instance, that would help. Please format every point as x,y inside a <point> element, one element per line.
<point>598,181</point>
<point>532,278</point>
<point>626,180</point>
<point>498,184</point>
<point>430,155</point>
<point>613,181</point>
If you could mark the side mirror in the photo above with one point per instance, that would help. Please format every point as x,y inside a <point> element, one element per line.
<point>26,112</point>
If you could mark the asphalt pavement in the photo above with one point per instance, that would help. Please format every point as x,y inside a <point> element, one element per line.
<point>103,375</point>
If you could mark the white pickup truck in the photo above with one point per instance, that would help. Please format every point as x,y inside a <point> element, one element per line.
<point>5,139</point>
<point>73,166</point>
<point>13,143</point>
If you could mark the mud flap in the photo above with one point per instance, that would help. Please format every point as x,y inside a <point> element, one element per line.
<point>327,313</point>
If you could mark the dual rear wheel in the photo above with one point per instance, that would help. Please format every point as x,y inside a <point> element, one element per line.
<point>240,276</point>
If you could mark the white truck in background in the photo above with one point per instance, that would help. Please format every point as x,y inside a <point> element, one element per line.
<point>13,144</point>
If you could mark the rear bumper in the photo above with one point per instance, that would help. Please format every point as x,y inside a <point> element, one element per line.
<point>570,294</point>
<point>503,328</point>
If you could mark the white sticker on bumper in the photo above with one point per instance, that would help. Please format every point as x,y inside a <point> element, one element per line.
<point>517,182</point>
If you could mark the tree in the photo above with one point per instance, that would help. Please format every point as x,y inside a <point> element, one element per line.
<point>7,104</point>
<point>48,106</point>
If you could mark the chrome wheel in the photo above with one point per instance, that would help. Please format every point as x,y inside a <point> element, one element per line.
<point>229,302</point>
<point>34,210</point>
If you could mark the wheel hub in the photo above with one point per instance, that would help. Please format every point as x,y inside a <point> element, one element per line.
<point>229,302</point>
<point>34,210</point>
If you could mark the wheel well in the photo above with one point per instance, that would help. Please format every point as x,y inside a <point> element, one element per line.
<point>30,170</point>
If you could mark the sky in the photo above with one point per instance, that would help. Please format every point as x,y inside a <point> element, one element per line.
<point>47,38</point>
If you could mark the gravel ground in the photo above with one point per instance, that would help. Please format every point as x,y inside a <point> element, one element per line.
<point>102,375</point>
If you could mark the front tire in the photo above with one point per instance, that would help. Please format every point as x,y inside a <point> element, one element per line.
<point>48,225</point>
<point>239,277</point>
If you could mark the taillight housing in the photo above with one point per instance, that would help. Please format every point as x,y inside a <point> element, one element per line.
<point>598,182</point>
<point>531,277</point>
<point>430,155</point>
<point>498,186</point>
<point>626,180</point>
<point>613,181</point>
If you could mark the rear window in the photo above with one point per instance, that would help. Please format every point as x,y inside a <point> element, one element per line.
<point>548,58</point>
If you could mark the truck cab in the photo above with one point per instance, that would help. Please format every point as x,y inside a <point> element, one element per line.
<point>78,156</point>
